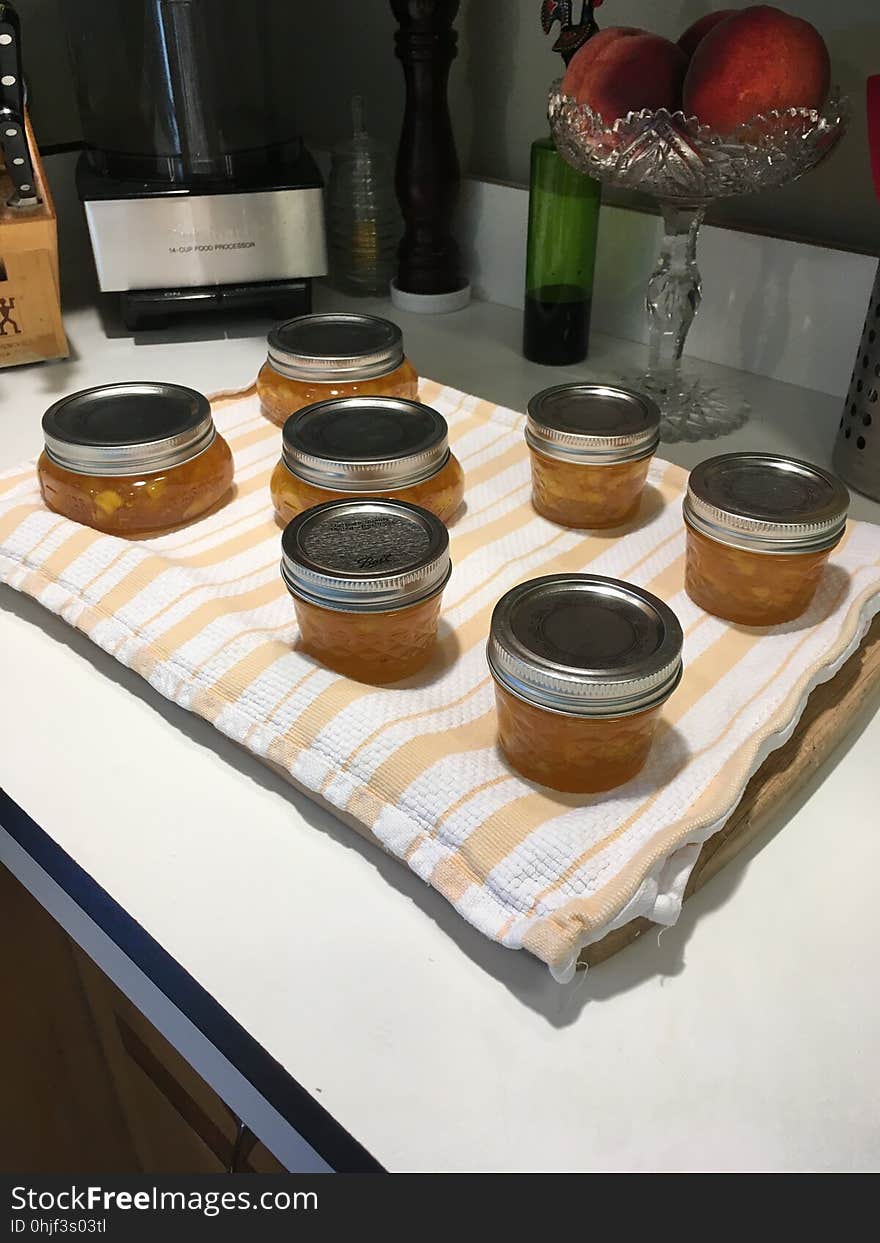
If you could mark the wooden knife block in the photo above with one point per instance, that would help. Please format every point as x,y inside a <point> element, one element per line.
<point>30,305</point>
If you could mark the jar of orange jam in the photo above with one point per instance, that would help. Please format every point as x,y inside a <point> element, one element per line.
<point>131,459</point>
<point>591,446</point>
<point>582,666</point>
<point>367,446</point>
<point>760,529</point>
<point>366,578</point>
<point>315,357</point>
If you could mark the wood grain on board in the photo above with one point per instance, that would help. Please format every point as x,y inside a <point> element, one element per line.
<point>830,713</point>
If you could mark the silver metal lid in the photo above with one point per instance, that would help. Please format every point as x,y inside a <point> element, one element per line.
<point>365,556</point>
<point>585,645</point>
<point>764,503</point>
<point>364,444</point>
<point>324,348</point>
<point>595,424</point>
<point>128,429</point>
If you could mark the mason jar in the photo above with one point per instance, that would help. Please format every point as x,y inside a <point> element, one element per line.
<point>367,446</point>
<point>316,357</point>
<point>367,577</point>
<point>590,447</point>
<point>582,665</point>
<point>133,458</point>
<point>760,529</point>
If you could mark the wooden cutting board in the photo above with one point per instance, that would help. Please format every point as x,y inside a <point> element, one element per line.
<point>830,713</point>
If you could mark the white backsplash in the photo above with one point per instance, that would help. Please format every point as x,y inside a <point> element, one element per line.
<point>777,308</point>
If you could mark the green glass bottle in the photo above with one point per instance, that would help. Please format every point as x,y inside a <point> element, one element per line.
<point>560,258</point>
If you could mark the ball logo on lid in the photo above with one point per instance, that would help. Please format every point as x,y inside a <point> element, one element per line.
<point>373,560</point>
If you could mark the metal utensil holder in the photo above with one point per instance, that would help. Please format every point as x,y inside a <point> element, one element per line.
<point>857,448</point>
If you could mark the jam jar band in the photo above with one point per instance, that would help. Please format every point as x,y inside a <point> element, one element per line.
<point>585,645</point>
<point>351,444</point>
<point>339,347</point>
<point>128,429</point>
<point>365,555</point>
<point>593,424</point>
<point>760,502</point>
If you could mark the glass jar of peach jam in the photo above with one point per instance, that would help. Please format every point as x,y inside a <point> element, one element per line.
<point>760,529</point>
<point>367,446</point>
<point>591,446</point>
<point>582,666</point>
<point>316,357</point>
<point>132,459</point>
<point>366,578</point>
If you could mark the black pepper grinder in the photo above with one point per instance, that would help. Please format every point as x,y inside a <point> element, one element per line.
<point>429,276</point>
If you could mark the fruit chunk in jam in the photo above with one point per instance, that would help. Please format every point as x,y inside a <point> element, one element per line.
<point>750,588</point>
<point>576,494</point>
<point>281,396</point>
<point>370,647</point>
<point>442,493</point>
<point>137,504</point>
<point>576,754</point>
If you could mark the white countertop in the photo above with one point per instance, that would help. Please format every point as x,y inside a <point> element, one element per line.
<point>745,1039</point>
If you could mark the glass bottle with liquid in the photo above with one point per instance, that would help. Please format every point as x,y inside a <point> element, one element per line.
<point>560,258</point>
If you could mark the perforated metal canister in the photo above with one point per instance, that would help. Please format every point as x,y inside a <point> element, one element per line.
<point>857,448</point>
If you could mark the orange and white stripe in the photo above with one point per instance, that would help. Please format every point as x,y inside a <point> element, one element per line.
<point>202,613</point>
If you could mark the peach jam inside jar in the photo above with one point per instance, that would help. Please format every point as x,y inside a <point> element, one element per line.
<point>316,357</point>
<point>366,578</point>
<point>367,446</point>
<point>582,666</point>
<point>133,459</point>
<point>760,529</point>
<point>591,446</point>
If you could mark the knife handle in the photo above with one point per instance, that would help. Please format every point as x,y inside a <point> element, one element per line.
<point>13,133</point>
<point>11,84</point>
<point>13,139</point>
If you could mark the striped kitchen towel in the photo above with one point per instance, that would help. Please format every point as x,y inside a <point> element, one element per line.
<point>202,614</point>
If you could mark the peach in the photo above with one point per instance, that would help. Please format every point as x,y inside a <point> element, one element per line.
<point>756,60</point>
<point>585,57</point>
<point>623,69</point>
<point>697,32</point>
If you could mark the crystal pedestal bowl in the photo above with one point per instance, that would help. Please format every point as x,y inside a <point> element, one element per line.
<point>685,165</point>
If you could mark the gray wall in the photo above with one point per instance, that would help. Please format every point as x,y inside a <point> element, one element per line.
<point>834,205</point>
<point>498,88</point>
